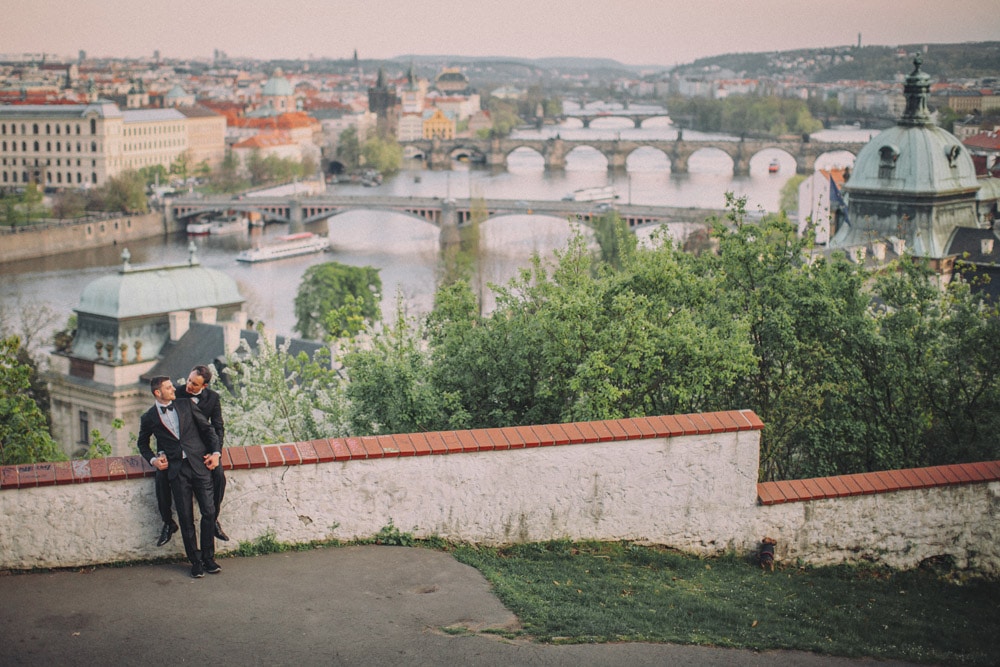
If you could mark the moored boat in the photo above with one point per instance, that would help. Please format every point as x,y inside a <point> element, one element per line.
<point>229,224</point>
<point>199,228</point>
<point>773,167</point>
<point>292,245</point>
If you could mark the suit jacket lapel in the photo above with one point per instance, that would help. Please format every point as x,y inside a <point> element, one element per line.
<point>166,422</point>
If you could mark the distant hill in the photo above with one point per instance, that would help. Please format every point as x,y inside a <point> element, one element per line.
<point>565,64</point>
<point>971,60</point>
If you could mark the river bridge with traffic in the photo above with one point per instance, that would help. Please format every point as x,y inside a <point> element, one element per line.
<point>443,213</point>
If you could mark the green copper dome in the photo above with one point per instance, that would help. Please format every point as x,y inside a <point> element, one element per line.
<point>916,156</point>
<point>158,290</point>
<point>277,86</point>
<point>914,183</point>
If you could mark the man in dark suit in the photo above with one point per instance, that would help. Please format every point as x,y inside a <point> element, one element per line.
<point>209,405</point>
<point>189,451</point>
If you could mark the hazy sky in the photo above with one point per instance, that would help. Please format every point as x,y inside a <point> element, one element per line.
<point>661,32</point>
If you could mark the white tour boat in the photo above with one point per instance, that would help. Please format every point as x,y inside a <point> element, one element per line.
<point>599,193</point>
<point>286,246</point>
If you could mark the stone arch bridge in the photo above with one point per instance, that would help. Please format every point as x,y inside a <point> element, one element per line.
<point>447,214</point>
<point>439,153</point>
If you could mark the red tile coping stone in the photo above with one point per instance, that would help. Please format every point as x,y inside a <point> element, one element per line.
<point>516,437</point>
<point>800,490</point>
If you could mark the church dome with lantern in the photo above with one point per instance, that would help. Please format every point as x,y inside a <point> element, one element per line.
<point>913,182</point>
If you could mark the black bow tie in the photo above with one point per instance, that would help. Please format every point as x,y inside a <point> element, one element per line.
<point>164,408</point>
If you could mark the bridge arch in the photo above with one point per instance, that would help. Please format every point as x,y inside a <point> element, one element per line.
<point>647,158</point>
<point>467,153</point>
<point>708,160</point>
<point>584,158</point>
<point>412,152</point>
<point>524,158</point>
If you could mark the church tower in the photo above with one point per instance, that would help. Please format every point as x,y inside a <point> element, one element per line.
<point>384,103</point>
<point>912,185</point>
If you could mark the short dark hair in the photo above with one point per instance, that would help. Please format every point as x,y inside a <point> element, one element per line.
<point>157,382</point>
<point>205,372</point>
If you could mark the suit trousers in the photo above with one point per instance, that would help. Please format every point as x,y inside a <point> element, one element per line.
<point>185,485</point>
<point>164,499</point>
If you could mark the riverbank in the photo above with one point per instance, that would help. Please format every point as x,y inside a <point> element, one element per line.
<point>58,236</point>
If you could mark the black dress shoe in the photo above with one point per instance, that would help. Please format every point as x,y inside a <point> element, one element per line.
<point>166,533</point>
<point>219,535</point>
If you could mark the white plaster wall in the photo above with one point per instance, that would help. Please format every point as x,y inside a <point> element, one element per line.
<point>694,493</point>
<point>898,529</point>
<point>697,494</point>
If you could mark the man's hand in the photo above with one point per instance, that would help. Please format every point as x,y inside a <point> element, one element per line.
<point>212,460</point>
<point>161,462</point>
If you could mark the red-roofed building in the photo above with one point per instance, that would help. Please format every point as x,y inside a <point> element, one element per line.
<point>985,150</point>
<point>276,143</point>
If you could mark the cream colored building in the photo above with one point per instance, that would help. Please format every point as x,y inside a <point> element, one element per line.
<point>83,145</point>
<point>206,136</point>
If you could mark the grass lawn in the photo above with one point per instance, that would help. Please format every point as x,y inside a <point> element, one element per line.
<point>607,592</point>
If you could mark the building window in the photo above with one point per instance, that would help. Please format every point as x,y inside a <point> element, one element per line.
<point>84,428</point>
<point>48,129</point>
<point>93,178</point>
<point>93,126</point>
<point>36,146</point>
<point>34,128</point>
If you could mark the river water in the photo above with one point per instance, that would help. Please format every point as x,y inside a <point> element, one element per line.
<point>406,250</point>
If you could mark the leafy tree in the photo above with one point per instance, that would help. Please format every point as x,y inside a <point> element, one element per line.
<point>789,202</point>
<point>383,155</point>
<point>505,116</point>
<point>333,297</point>
<point>181,166</point>
<point>257,168</point>
<point>579,345</point>
<point>349,148</point>
<point>277,397</point>
<point>747,115</point>
<point>24,436</point>
<point>125,192</point>
<point>31,198</point>
<point>391,388</point>
<point>68,204</point>
<point>227,178</point>
<point>614,239</point>
<point>154,173</point>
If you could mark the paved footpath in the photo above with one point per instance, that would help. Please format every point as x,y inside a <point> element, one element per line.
<point>346,606</point>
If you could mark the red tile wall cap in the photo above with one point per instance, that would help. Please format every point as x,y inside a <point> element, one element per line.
<point>441,442</point>
<point>884,481</point>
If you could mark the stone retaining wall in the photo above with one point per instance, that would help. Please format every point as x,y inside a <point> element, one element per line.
<point>687,481</point>
<point>59,237</point>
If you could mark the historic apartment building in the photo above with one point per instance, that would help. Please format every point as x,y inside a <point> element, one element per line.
<point>83,145</point>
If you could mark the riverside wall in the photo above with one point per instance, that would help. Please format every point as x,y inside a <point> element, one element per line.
<point>686,482</point>
<point>42,240</point>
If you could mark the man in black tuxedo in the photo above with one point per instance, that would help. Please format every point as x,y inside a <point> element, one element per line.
<point>209,405</point>
<point>189,451</point>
